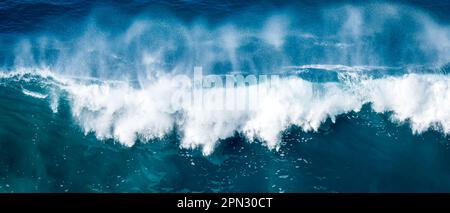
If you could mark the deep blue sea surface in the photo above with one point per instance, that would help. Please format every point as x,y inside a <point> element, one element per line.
<point>362,103</point>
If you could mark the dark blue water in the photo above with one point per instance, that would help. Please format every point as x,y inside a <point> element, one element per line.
<point>58,135</point>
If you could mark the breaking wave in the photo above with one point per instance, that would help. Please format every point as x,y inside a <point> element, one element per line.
<point>118,110</point>
<point>119,80</point>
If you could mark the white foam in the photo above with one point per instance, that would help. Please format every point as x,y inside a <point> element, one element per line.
<point>423,100</point>
<point>121,112</point>
<point>124,113</point>
<point>337,67</point>
<point>54,101</point>
<point>21,72</point>
<point>34,94</point>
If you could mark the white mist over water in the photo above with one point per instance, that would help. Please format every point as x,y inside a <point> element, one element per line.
<point>372,35</point>
<point>146,56</point>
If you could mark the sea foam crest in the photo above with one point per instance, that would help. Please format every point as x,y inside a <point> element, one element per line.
<point>119,111</point>
<point>124,113</point>
<point>350,40</point>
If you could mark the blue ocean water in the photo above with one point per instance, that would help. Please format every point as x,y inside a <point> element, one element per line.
<point>363,104</point>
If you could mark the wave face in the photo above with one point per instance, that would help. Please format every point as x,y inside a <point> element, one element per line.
<point>109,103</point>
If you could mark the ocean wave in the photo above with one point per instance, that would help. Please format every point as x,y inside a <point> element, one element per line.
<point>121,82</point>
<point>126,114</point>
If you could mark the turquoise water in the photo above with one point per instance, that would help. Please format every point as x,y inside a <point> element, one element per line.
<point>79,112</point>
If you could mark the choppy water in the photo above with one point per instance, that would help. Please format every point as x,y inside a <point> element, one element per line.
<point>362,104</point>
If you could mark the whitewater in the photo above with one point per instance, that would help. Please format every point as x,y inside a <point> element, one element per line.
<point>117,110</point>
<point>236,96</point>
<point>124,86</point>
